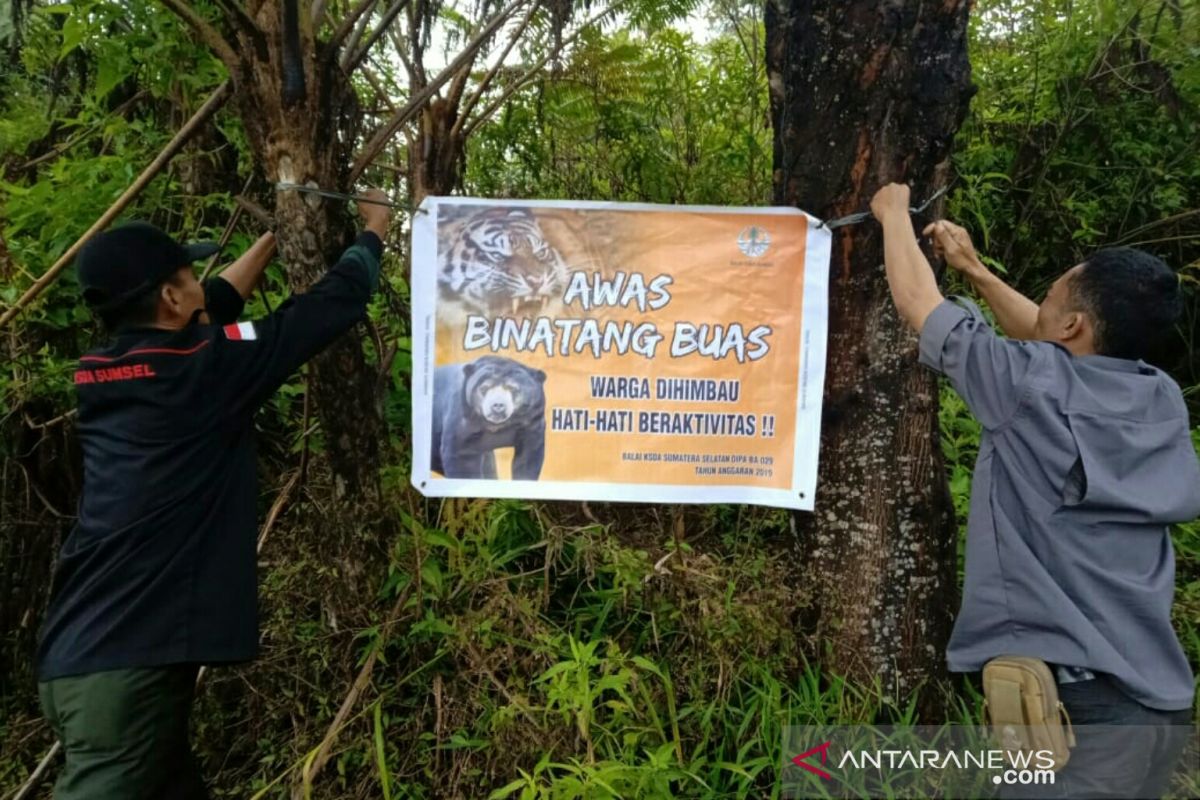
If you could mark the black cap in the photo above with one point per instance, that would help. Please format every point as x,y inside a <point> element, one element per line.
<point>117,265</point>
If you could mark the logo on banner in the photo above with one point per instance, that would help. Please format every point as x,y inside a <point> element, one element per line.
<point>754,241</point>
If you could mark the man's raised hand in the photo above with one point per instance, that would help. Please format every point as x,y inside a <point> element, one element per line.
<point>375,216</point>
<point>953,243</point>
<point>890,201</point>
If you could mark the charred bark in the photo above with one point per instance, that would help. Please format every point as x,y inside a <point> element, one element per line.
<point>863,93</point>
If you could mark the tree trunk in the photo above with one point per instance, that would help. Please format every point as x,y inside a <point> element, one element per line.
<point>863,93</point>
<point>309,139</point>
<point>436,159</point>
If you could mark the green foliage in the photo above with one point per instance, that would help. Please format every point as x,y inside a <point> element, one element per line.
<point>650,119</point>
<point>1083,136</point>
<point>960,445</point>
<point>565,662</point>
<point>69,155</point>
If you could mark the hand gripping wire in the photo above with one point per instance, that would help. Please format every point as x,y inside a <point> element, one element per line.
<point>863,216</point>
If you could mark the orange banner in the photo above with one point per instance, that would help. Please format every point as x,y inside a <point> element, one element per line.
<point>609,351</point>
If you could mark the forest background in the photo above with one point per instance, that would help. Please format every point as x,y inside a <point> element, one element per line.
<point>513,649</point>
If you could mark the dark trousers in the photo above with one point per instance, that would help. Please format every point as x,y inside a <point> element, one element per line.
<point>125,734</point>
<point>1123,749</point>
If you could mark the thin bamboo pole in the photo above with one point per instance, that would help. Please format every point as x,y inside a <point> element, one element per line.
<point>35,779</point>
<point>214,102</point>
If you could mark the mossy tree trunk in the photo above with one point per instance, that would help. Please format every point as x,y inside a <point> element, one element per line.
<point>864,93</point>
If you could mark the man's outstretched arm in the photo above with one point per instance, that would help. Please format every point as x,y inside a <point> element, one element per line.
<point>1015,313</point>
<point>256,357</point>
<point>244,273</point>
<point>910,278</point>
<point>225,294</point>
<point>988,371</point>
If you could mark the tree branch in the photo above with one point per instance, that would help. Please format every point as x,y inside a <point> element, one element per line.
<point>459,85</point>
<point>531,73</point>
<point>381,137</point>
<point>381,95</point>
<point>347,24</point>
<point>225,234</point>
<point>402,51</point>
<point>39,773</point>
<point>389,17</point>
<point>504,97</point>
<point>211,37</point>
<point>384,74</point>
<point>260,214</point>
<point>351,48</point>
<point>316,13</point>
<point>469,106</point>
<point>240,18</point>
<point>416,49</point>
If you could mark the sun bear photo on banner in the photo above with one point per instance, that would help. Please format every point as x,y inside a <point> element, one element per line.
<point>482,405</point>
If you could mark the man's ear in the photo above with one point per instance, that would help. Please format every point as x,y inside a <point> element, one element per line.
<point>172,299</point>
<point>1075,325</point>
<point>169,296</point>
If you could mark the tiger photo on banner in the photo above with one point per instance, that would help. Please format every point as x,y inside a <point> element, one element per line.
<point>580,350</point>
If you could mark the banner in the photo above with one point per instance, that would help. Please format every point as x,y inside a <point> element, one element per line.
<point>617,351</point>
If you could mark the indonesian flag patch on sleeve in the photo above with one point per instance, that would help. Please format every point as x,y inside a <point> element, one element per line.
<point>240,332</point>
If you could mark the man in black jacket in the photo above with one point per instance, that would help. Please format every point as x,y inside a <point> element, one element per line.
<point>158,575</point>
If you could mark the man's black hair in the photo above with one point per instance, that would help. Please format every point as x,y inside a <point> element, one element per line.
<point>1133,300</point>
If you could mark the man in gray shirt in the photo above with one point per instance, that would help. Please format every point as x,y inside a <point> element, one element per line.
<point>1084,462</point>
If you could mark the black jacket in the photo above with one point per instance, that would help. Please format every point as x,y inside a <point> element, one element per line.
<point>160,566</point>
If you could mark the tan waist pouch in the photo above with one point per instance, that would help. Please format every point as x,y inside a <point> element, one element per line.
<point>1022,708</point>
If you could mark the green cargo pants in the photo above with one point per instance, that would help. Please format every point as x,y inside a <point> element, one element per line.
<point>125,734</point>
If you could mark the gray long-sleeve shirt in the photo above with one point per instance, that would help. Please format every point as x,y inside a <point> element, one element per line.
<point>1083,463</point>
